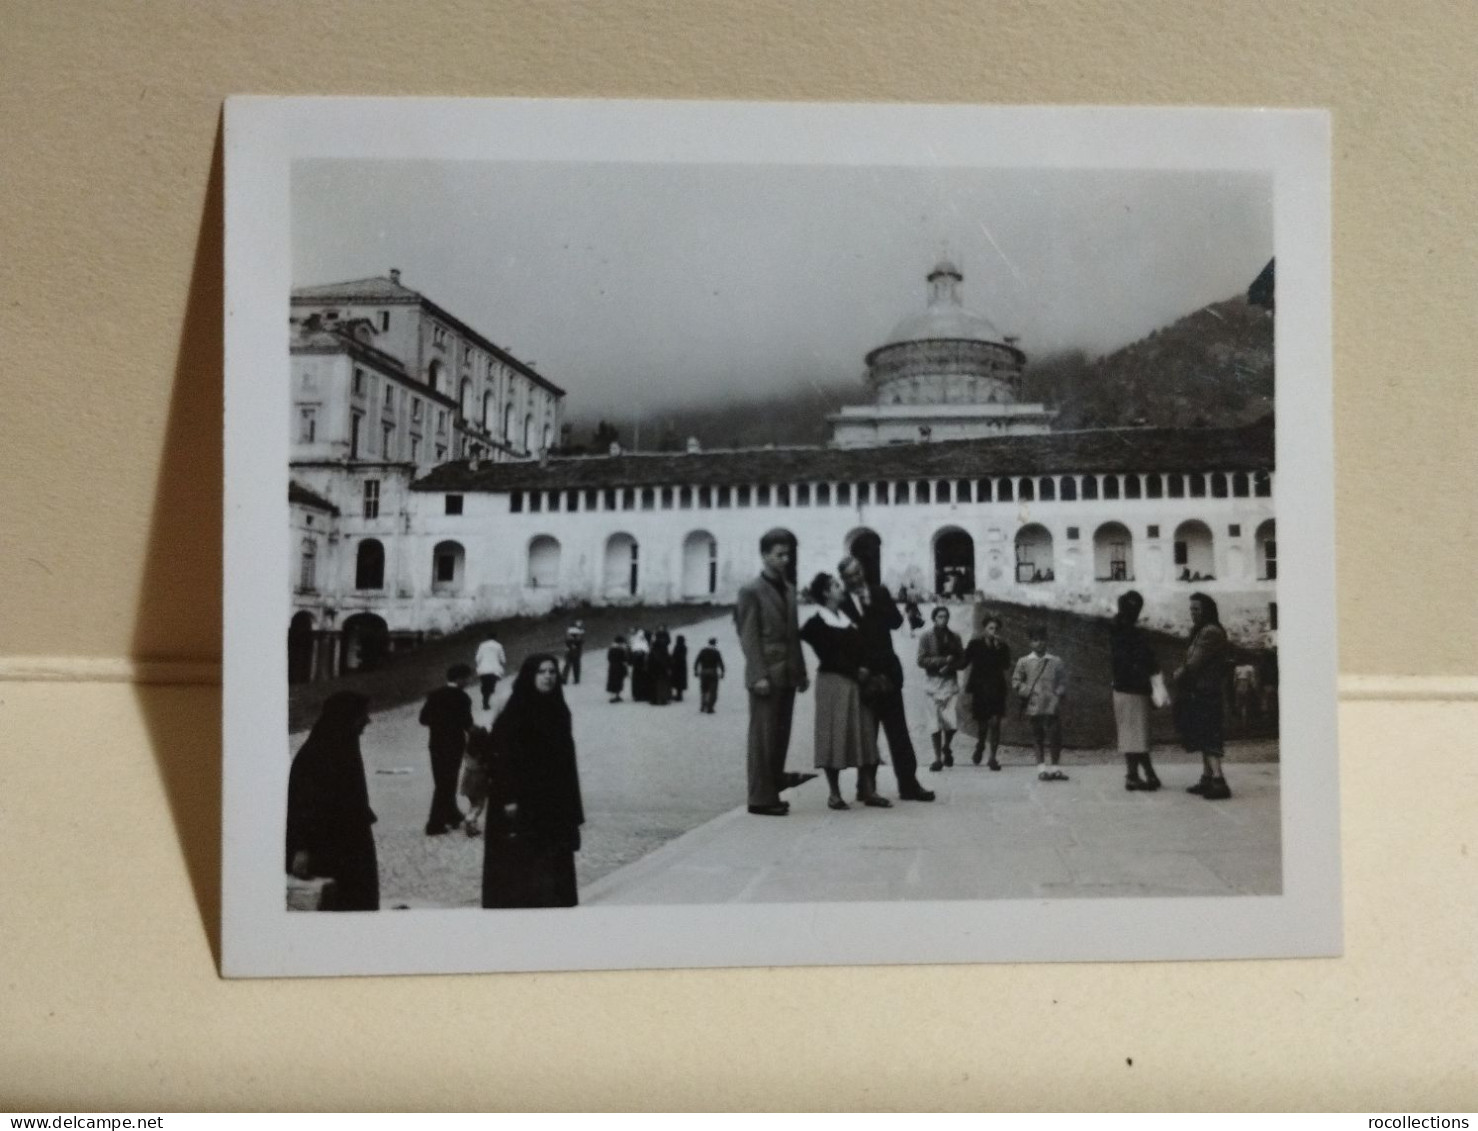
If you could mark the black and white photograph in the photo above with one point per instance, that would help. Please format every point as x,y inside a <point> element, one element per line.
<point>678,534</point>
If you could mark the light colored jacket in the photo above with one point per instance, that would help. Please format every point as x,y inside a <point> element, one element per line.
<point>491,659</point>
<point>1043,680</point>
<point>770,634</point>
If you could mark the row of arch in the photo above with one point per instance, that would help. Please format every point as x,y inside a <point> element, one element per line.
<point>534,438</point>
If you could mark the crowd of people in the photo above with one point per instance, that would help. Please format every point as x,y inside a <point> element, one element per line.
<point>520,779</point>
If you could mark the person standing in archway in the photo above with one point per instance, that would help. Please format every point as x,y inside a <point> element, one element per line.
<point>774,671</point>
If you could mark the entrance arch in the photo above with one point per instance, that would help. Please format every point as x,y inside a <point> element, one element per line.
<point>366,642</point>
<point>543,562</point>
<point>1034,554</point>
<point>867,547</point>
<point>1267,551</point>
<point>622,572</point>
<point>1113,553</point>
<point>954,563</point>
<point>700,564</point>
<point>300,648</point>
<point>1195,554</point>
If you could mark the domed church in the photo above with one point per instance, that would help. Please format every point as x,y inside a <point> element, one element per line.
<point>945,373</point>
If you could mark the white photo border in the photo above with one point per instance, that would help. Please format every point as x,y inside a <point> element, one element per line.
<point>263,136</point>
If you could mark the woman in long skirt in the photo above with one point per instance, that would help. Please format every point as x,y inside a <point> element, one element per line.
<point>679,668</point>
<point>616,657</point>
<point>534,811</point>
<point>1133,664</point>
<point>1198,697</point>
<point>846,735</point>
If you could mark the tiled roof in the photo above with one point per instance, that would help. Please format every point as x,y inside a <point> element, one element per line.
<point>297,493</point>
<point>377,289</point>
<point>1248,448</point>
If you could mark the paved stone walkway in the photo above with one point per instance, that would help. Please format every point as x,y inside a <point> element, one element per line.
<point>664,789</point>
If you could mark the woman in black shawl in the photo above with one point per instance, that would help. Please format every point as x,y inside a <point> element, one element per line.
<point>535,813</point>
<point>679,668</point>
<point>1198,697</point>
<point>328,812</point>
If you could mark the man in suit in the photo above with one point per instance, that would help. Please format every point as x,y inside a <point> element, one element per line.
<point>774,670</point>
<point>873,610</point>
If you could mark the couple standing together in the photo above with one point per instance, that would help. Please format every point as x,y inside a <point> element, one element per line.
<point>852,634</point>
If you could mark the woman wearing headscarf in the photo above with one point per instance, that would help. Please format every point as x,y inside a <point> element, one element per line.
<point>679,668</point>
<point>1198,696</point>
<point>845,735</point>
<point>1133,664</point>
<point>616,659</point>
<point>638,649</point>
<point>659,670</point>
<point>534,817</point>
<point>328,812</point>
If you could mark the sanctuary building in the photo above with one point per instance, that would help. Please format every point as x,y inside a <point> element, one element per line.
<point>944,485</point>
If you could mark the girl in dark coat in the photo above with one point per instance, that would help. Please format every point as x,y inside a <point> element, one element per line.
<point>1133,664</point>
<point>1198,697</point>
<point>989,660</point>
<point>659,671</point>
<point>679,669</point>
<point>616,658</point>
<point>535,812</point>
<point>328,812</point>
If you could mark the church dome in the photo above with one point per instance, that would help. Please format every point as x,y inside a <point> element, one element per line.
<point>945,317</point>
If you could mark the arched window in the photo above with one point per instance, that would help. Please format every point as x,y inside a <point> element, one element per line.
<point>528,432</point>
<point>308,565</point>
<point>487,412</point>
<point>700,564</point>
<point>622,566</point>
<point>1195,557</point>
<point>369,565</point>
<point>436,375</point>
<point>1267,551</point>
<point>954,563</point>
<point>1113,553</point>
<point>508,425</point>
<point>544,442</point>
<point>448,567</point>
<point>543,562</point>
<point>366,640</point>
<point>1034,554</point>
<point>465,399</point>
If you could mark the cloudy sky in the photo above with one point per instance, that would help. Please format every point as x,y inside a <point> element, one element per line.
<point>641,286</point>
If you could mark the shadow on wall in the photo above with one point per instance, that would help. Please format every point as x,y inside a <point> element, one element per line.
<point>180,598</point>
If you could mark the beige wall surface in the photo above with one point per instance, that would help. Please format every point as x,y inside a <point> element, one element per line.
<point>110,282</point>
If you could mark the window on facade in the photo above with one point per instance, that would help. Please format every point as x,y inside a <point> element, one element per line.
<point>528,432</point>
<point>444,567</point>
<point>1028,492</point>
<point>1234,530</point>
<point>307,425</point>
<point>667,498</point>
<point>1198,485</point>
<point>823,494</point>
<point>1110,486</point>
<point>942,492</point>
<point>389,395</point>
<point>1154,487</point>
<point>536,501</point>
<point>844,494</point>
<point>628,498</point>
<point>415,449</point>
<point>1240,487</point>
<point>864,494</point>
<point>361,381</point>
<point>803,495</point>
<point>572,501</point>
<point>1005,491</point>
<point>515,502</point>
<point>1072,533</point>
<point>438,335</point>
<point>454,504</point>
<point>417,405</point>
<point>1152,531</point>
<point>554,498</point>
<point>741,496</point>
<point>1067,489</point>
<point>648,499</point>
<point>1270,561</point>
<point>1273,615</point>
<point>1131,487</point>
<point>1090,486</point>
<point>508,425</point>
<point>685,498</point>
<point>1262,484</point>
<point>1177,486</point>
<point>962,491</point>
<point>440,453</point>
<point>369,565</point>
<point>308,565</point>
<point>725,495</point>
<point>983,492</point>
<point>384,320</point>
<point>902,491</point>
<point>1218,485</point>
<point>371,498</point>
<point>356,423</point>
<point>387,440</point>
<point>592,499</point>
<point>782,495</point>
<point>1047,489</point>
<point>487,412</point>
<point>610,500</point>
<point>705,497</point>
<point>1182,553</point>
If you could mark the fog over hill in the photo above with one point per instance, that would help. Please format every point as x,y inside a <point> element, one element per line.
<point>1211,368</point>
